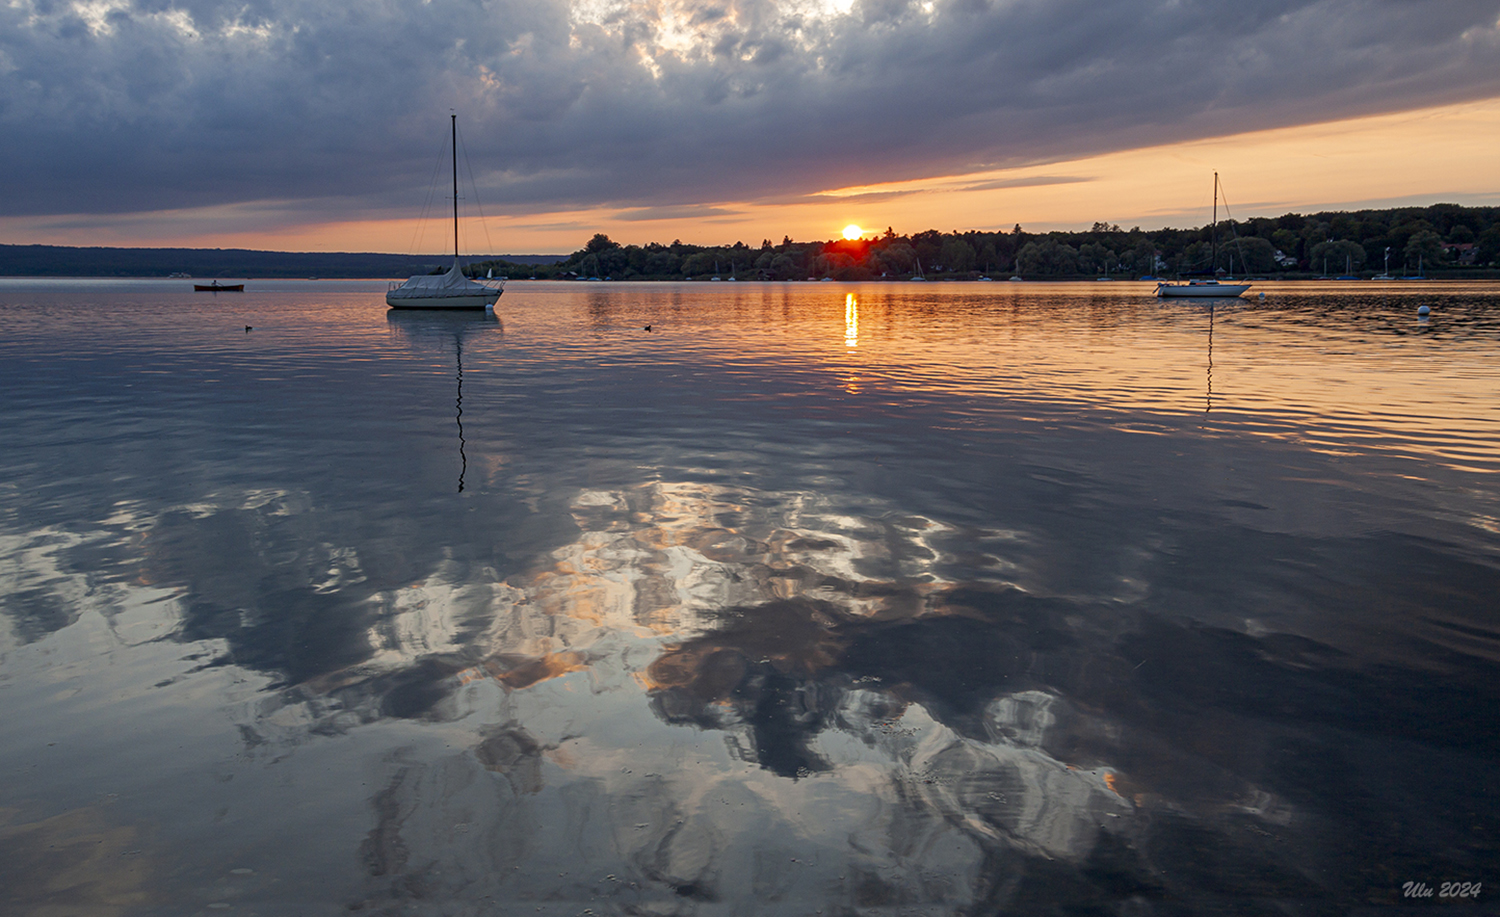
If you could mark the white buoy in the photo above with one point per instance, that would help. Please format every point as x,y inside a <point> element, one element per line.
<point>1423,310</point>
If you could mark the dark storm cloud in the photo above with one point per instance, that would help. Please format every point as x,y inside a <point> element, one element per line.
<point>338,108</point>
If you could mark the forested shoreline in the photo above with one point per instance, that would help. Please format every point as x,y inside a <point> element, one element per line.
<point>71,261</point>
<point>1442,240</point>
<point>1439,241</point>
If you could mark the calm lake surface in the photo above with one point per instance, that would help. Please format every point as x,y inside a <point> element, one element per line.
<point>814,598</point>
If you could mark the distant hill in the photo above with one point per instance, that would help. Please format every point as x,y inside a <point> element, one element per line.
<point>68,261</point>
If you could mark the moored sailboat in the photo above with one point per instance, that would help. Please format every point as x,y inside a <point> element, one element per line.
<point>450,290</point>
<point>1205,288</point>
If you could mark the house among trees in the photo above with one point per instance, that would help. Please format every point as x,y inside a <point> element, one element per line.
<point>1465,253</point>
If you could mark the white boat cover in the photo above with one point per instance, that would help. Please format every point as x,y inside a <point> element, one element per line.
<point>441,286</point>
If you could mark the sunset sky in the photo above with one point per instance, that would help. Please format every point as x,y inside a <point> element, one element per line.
<point>314,125</point>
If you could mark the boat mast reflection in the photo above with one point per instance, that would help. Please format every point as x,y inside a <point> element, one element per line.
<point>458,409</point>
<point>1208,404</point>
<point>430,330</point>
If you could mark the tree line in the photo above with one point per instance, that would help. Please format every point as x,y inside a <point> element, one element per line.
<point>76,261</point>
<point>1439,240</point>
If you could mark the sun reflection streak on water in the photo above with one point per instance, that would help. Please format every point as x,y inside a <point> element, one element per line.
<point>1362,370</point>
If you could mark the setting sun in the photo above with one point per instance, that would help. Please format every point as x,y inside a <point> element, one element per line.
<point>853,232</point>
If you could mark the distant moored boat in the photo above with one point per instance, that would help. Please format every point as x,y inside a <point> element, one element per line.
<point>1205,288</point>
<point>1201,288</point>
<point>217,287</point>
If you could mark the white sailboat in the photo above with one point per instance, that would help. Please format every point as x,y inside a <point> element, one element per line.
<point>1205,288</point>
<point>451,290</point>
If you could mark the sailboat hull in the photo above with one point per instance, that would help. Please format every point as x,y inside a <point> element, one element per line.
<point>1201,289</point>
<point>397,300</point>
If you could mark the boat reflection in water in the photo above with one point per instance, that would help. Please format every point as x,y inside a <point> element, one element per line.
<point>438,326</point>
<point>434,328</point>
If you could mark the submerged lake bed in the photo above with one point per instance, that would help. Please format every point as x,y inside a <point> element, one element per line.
<point>749,599</point>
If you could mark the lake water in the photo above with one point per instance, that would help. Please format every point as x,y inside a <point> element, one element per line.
<point>813,598</point>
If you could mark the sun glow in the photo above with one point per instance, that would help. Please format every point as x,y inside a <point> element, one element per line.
<point>852,232</point>
<point>1345,165</point>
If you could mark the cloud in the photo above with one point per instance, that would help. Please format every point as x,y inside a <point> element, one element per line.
<point>894,191</point>
<point>120,106</point>
<point>1035,181</point>
<point>674,212</point>
<point>564,226</point>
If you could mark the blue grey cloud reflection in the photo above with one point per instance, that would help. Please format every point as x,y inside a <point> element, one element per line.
<point>119,106</point>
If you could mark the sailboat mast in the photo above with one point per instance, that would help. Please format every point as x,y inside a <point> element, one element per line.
<point>1212,230</point>
<point>455,185</point>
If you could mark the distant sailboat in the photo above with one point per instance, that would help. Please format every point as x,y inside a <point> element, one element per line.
<point>451,290</point>
<point>1205,288</point>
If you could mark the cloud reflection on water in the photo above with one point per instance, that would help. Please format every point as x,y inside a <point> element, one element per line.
<point>753,616</point>
<point>1031,665</point>
<point>966,732</point>
<point>913,738</point>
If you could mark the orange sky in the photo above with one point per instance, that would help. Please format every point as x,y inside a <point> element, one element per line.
<point>1444,154</point>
